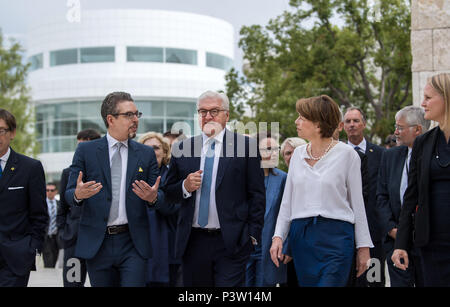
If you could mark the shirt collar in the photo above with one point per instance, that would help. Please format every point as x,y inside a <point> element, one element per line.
<point>112,141</point>
<point>362,145</point>
<point>218,138</point>
<point>6,155</point>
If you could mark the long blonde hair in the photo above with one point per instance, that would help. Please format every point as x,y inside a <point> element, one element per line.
<point>441,83</point>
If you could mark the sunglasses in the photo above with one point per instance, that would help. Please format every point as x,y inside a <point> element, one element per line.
<point>51,190</point>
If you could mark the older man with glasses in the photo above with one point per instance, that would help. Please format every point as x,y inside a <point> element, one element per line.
<point>392,184</point>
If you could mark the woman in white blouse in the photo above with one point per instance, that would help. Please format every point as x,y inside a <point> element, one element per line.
<point>322,208</point>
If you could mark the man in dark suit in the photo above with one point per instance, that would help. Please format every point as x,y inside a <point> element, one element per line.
<point>68,221</point>
<point>114,179</point>
<point>392,184</point>
<point>218,179</point>
<point>23,210</point>
<point>354,125</point>
<point>50,249</point>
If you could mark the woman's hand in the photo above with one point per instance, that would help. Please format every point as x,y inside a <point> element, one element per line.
<point>276,251</point>
<point>362,260</point>
<point>397,256</point>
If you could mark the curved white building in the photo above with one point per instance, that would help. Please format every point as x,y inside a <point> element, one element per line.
<point>164,59</point>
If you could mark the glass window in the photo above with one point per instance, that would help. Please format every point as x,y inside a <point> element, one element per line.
<point>145,54</point>
<point>68,144</point>
<point>181,56</point>
<point>96,124</point>
<point>146,125</point>
<point>37,61</point>
<point>63,57</point>
<point>66,127</point>
<point>97,54</point>
<point>39,130</point>
<point>66,110</point>
<point>45,113</point>
<point>218,61</point>
<point>181,124</point>
<point>150,108</point>
<point>90,109</point>
<point>181,109</point>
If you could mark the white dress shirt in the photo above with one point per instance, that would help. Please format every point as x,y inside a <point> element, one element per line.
<point>4,159</point>
<point>122,218</point>
<point>332,188</point>
<point>213,219</point>
<point>404,180</point>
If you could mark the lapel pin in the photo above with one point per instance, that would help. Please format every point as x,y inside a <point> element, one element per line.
<point>13,168</point>
<point>141,170</point>
<point>371,150</point>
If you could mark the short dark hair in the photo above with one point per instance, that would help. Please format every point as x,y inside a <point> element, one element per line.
<point>109,105</point>
<point>9,119</point>
<point>360,111</point>
<point>88,135</point>
<point>52,183</point>
<point>322,110</point>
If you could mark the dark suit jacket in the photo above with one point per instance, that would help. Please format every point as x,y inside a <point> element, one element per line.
<point>417,194</point>
<point>364,176</point>
<point>388,192</point>
<point>68,219</point>
<point>92,158</point>
<point>373,153</point>
<point>240,193</point>
<point>23,212</point>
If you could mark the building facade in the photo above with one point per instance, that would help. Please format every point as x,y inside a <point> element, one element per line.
<point>164,59</point>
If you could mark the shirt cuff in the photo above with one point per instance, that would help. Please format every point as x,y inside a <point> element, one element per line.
<point>186,194</point>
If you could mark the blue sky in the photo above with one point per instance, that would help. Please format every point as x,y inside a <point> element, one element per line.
<point>18,16</point>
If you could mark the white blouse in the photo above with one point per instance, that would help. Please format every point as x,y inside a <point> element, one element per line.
<point>332,188</point>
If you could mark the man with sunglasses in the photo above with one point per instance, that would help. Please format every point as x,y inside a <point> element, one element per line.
<point>51,245</point>
<point>392,184</point>
<point>23,210</point>
<point>114,179</point>
<point>218,179</point>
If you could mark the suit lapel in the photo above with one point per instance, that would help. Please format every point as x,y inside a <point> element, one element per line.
<point>10,170</point>
<point>133,158</point>
<point>196,152</point>
<point>225,157</point>
<point>270,193</point>
<point>427,153</point>
<point>398,171</point>
<point>103,160</point>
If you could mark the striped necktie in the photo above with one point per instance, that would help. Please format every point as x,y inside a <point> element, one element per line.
<point>52,225</point>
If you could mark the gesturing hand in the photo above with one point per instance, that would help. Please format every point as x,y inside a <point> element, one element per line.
<point>193,181</point>
<point>145,191</point>
<point>86,189</point>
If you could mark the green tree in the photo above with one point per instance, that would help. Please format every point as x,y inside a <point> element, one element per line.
<point>14,96</point>
<point>364,62</point>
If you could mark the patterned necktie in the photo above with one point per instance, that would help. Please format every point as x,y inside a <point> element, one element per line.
<point>1,171</point>
<point>116,178</point>
<point>52,225</point>
<point>206,186</point>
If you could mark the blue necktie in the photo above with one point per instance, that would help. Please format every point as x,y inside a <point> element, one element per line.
<point>206,186</point>
<point>1,171</point>
<point>357,148</point>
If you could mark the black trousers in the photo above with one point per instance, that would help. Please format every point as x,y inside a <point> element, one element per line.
<point>74,269</point>
<point>9,279</point>
<point>206,262</point>
<point>50,250</point>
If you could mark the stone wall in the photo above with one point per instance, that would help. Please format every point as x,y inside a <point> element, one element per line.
<point>430,42</point>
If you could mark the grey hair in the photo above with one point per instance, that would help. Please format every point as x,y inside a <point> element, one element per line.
<point>414,116</point>
<point>294,142</point>
<point>213,94</point>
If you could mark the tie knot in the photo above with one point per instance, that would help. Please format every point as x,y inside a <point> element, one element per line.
<point>119,145</point>
<point>357,148</point>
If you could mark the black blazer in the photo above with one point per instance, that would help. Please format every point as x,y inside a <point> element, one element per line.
<point>388,191</point>
<point>417,195</point>
<point>373,153</point>
<point>23,212</point>
<point>68,219</point>
<point>240,192</point>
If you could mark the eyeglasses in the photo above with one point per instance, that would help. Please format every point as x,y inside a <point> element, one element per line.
<point>51,190</point>
<point>129,115</point>
<point>3,131</point>
<point>213,112</point>
<point>401,128</point>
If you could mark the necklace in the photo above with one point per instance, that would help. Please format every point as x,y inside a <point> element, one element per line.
<point>309,151</point>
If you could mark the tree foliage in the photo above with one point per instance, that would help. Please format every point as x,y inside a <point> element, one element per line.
<point>364,61</point>
<point>14,95</point>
